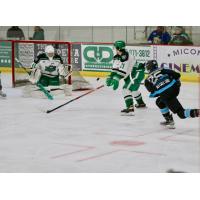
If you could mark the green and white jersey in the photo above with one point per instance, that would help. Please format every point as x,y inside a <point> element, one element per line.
<point>126,67</point>
<point>123,64</point>
<point>48,66</point>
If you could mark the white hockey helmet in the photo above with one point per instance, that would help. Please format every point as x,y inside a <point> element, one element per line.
<point>49,49</point>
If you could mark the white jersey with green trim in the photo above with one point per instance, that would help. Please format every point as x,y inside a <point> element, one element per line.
<point>48,66</point>
<point>123,64</point>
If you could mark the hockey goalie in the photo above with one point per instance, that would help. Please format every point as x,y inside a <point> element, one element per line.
<point>48,72</point>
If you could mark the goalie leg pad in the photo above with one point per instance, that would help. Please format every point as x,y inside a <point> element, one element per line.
<point>33,91</point>
<point>61,89</point>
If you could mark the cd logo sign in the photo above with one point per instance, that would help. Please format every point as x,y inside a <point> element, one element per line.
<point>97,57</point>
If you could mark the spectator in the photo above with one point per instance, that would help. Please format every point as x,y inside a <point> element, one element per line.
<point>180,37</point>
<point>159,36</point>
<point>15,33</point>
<point>38,33</point>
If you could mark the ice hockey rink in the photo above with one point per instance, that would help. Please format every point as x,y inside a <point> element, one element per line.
<point>89,135</point>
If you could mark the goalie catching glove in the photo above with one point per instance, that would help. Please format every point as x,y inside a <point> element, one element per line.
<point>65,70</point>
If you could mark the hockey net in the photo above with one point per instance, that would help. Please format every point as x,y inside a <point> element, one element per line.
<point>24,53</point>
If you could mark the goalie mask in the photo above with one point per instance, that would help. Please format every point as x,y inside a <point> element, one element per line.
<point>49,50</point>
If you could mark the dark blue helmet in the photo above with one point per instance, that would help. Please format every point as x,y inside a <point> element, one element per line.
<point>151,65</point>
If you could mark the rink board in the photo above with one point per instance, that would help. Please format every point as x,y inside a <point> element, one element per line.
<point>95,60</point>
<point>184,76</point>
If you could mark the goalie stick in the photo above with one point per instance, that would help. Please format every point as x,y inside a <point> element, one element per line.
<point>92,90</point>
<point>47,94</point>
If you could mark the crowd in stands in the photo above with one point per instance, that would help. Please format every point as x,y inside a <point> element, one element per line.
<point>158,36</point>
<point>161,36</point>
<point>16,33</point>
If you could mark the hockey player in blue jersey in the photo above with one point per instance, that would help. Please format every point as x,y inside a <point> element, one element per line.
<point>165,84</point>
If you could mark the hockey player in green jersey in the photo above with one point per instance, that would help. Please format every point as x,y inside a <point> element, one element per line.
<point>48,70</point>
<point>126,67</point>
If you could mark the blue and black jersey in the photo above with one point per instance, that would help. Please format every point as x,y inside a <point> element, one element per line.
<point>160,80</point>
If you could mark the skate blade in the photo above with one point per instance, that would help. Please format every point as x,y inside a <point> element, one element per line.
<point>141,107</point>
<point>127,114</point>
<point>171,127</point>
<point>168,126</point>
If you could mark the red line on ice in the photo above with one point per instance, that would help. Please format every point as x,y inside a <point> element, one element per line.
<point>98,156</point>
<point>84,148</point>
<point>70,153</point>
<point>149,153</point>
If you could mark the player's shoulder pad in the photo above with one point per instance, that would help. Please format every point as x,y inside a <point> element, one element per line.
<point>167,70</point>
<point>41,56</point>
<point>124,56</point>
<point>58,57</point>
<point>141,66</point>
<point>171,72</point>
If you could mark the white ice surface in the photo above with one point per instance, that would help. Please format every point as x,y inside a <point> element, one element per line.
<point>89,135</point>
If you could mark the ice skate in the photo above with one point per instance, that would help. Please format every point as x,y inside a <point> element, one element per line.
<point>169,123</point>
<point>196,112</point>
<point>141,105</point>
<point>128,111</point>
<point>2,94</point>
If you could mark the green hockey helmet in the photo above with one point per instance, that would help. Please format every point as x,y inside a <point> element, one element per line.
<point>120,45</point>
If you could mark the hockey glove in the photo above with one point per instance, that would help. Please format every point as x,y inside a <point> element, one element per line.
<point>141,66</point>
<point>115,84</point>
<point>109,81</point>
<point>65,71</point>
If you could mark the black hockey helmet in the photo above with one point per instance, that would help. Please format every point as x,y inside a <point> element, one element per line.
<point>151,65</point>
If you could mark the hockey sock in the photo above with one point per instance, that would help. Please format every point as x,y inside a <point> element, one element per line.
<point>165,111</point>
<point>166,114</point>
<point>187,113</point>
<point>128,101</point>
<point>191,113</point>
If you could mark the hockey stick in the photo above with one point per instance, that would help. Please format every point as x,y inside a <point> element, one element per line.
<point>98,78</point>
<point>93,90</point>
<point>40,86</point>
